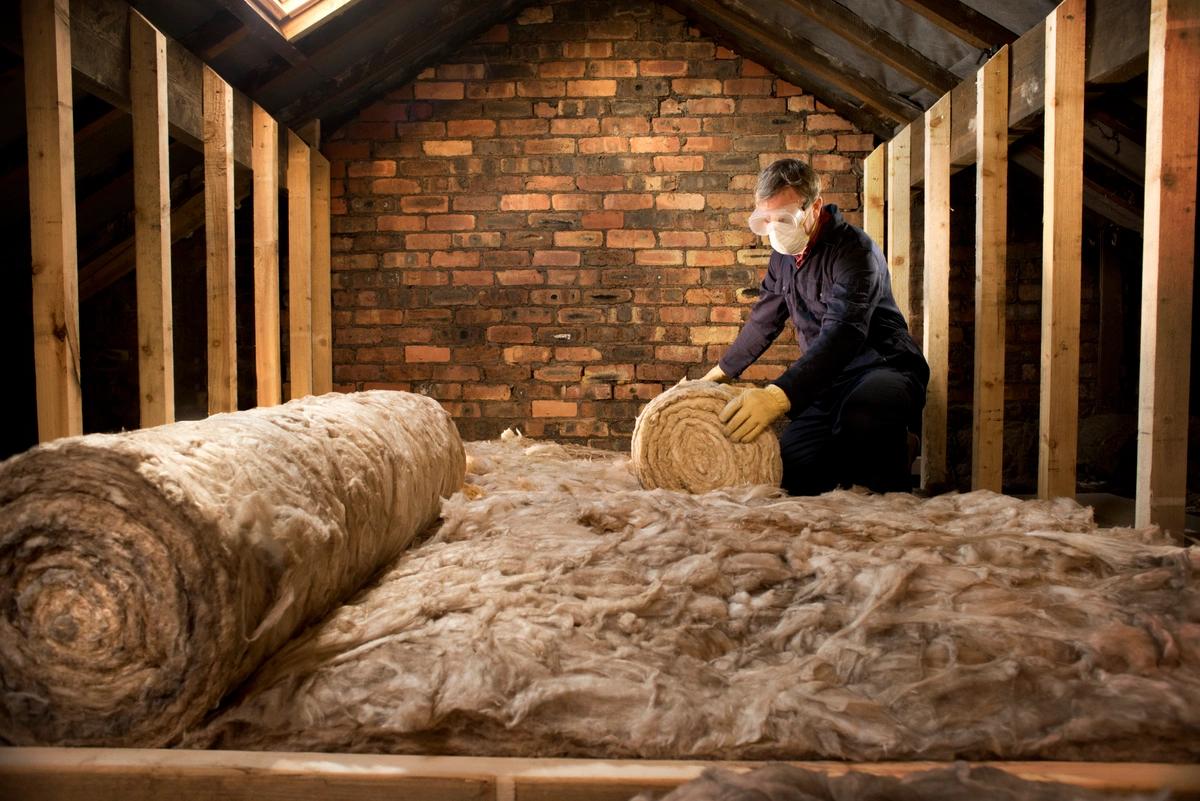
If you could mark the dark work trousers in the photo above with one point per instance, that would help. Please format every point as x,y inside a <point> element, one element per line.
<point>856,432</point>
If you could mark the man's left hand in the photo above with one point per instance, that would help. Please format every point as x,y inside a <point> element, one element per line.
<point>749,414</point>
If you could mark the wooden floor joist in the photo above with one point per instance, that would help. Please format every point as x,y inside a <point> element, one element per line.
<point>265,157</point>
<point>1168,261</point>
<point>874,172</point>
<point>46,34</point>
<point>299,189</point>
<point>899,219</point>
<point>106,774</point>
<point>152,221</point>
<point>936,319</point>
<point>1062,251</point>
<point>322,290</point>
<point>991,248</point>
<point>219,237</point>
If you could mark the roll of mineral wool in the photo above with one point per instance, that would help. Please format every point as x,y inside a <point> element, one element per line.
<point>145,574</point>
<point>679,443</point>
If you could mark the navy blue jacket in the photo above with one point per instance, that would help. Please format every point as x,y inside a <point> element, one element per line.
<point>838,295</point>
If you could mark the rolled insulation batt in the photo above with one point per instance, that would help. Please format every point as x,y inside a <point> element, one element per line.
<point>680,444</point>
<point>145,574</point>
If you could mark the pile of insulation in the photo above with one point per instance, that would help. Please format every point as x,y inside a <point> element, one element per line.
<point>958,783</point>
<point>559,610</point>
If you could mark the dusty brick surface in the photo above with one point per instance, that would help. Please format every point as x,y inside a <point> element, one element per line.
<point>548,228</point>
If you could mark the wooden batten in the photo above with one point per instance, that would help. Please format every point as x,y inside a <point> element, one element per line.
<point>1168,258</point>
<point>265,158</point>
<point>899,219</point>
<point>1062,243</point>
<point>152,221</point>
<point>322,289</point>
<point>874,181</point>
<point>991,250</point>
<point>219,235</point>
<point>49,115</point>
<point>132,774</point>
<point>299,189</point>
<point>936,319</point>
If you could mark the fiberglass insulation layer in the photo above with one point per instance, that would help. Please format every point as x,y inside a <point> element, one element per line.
<point>144,574</point>
<point>562,611</point>
<point>961,782</point>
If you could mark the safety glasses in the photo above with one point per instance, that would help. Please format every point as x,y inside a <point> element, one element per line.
<point>787,216</point>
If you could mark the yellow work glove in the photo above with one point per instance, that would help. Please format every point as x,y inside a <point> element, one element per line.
<point>749,414</point>
<point>715,374</point>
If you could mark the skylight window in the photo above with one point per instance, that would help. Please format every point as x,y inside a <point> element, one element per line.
<point>294,18</point>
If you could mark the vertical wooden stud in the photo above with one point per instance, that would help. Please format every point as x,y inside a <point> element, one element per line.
<point>265,161</point>
<point>218,222</point>
<point>1168,258</point>
<point>874,170</point>
<point>1062,232</point>
<point>322,300</point>
<point>936,320</point>
<point>152,220</point>
<point>49,114</point>
<point>899,219</point>
<point>299,188</point>
<point>991,250</point>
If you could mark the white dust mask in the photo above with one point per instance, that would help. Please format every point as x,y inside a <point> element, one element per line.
<point>786,238</point>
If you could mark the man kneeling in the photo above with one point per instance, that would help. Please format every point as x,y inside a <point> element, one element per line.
<point>859,387</point>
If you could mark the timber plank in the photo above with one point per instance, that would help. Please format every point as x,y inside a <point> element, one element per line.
<point>1168,260</point>
<point>106,774</point>
<point>899,219</point>
<point>936,317</point>
<point>152,221</point>
<point>322,289</point>
<point>46,34</point>
<point>1062,251</point>
<point>219,240</point>
<point>991,249</point>
<point>268,372</point>
<point>874,181</point>
<point>299,189</point>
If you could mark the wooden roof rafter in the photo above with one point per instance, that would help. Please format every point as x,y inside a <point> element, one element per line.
<point>966,23</point>
<point>877,43</point>
<point>345,81</point>
<point>793,56</point>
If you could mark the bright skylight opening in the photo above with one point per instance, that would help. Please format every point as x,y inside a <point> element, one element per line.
<point>294,18</point>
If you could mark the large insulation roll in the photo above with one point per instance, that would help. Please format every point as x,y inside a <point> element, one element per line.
<point>680,444</point>
<point>145,574</point>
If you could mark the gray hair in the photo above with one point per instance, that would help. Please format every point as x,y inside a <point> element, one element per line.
<point>788,172</point>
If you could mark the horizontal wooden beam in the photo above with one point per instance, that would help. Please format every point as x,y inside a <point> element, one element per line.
<point>100,58</point>
<point>118,261</point>
<point>877,43</point>
<point>129,774</point>
<point>966,23</point>
<point>1096,198</point>
<point>1116,46</point>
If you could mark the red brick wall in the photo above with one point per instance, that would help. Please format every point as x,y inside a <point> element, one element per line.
<point>549,227</point>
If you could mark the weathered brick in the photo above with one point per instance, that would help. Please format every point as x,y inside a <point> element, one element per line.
<point>438,90</point>
<point>470,127</point>
<point>550,408</point>
<point>592,88</point>
<point>678,163</point>
<point>630,239</point>
<point>525,202</point>
<point>680,200</point>
<point>426,353</point>
<point>450,222</point>
<point>696,86</point>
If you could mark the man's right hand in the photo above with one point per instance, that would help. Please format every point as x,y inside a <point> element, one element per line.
<point>715,374</point>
